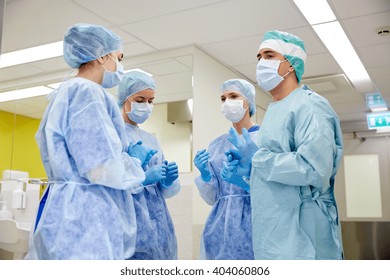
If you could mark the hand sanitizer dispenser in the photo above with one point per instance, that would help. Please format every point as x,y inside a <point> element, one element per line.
<point>18,199</point>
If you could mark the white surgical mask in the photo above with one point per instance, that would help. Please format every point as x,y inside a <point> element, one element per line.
<point>140,112</point>
<point>267,73</point>
<point>112,79</point>
<point>233,109</point>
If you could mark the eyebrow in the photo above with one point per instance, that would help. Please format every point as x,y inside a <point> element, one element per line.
<point>265,52</point>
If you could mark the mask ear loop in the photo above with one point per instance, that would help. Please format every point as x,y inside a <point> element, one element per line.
<point>124,105</point>
<point>288,72</point>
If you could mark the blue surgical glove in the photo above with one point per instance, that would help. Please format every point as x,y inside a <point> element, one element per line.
<point>229,175</point>
<point>246,148</point>
<point>143,153</point>
<point>155,174</point>
<point>172,173</point>
<point>201,161</point>
<point>242,166</point>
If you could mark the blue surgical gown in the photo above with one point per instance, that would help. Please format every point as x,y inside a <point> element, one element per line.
<point>227,234</point>
<point>88,213</point>
<point>292,180</point>
<point>156,239</point>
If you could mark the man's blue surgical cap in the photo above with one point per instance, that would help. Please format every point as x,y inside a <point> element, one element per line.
<point>133,82</point>
<point>86,42</point>
<point>288,45</point>
<point>245,88</point>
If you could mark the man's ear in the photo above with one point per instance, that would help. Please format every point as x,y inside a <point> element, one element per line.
<point>100,60</point>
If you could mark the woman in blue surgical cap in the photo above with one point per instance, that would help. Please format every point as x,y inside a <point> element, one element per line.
<point>156,239</point>
<point>228,231</point>
<point>86,212</point>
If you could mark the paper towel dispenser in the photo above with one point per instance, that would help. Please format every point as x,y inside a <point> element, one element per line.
<point>179,111</point>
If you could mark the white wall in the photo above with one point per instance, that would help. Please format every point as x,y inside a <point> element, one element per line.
<point>379,146</point>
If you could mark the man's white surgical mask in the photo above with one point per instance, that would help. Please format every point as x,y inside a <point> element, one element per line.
<point>140,112</point>
<point>233,109</point>
<point>267,73</point>
<point>112,79</point>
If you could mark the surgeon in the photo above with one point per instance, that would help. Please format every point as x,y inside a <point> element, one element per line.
<point>227,234</point>
<point>292,173</point>
<point>156,239</point>
<point>85,212</point>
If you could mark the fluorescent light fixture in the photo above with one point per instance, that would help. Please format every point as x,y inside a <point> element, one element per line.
<point>319,14</point>
<point>334,38</point>
<point>140,70</point>
<point>316,11</point>
<point>24,93</point>
<point>31,54</point>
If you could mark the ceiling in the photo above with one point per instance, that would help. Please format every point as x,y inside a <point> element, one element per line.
<point>158,36</point>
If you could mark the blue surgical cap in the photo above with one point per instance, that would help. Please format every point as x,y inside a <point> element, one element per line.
<point>85,42</point>
<point>288,45</point>
<point>133,82</point>
<point>245,88</point>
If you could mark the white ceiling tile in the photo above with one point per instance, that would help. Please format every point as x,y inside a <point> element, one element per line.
<point>321,65</point>
<point>381,77</point>
<point>362,30</point>
<point>375,56</point>
<point>220,21</point>
<point>18,108</point>
<point>353,8</point>
<point>235,52</point>
<point>186,60</point>
<point>165,67</point>
<point>134,49</point>
<point>51,65</point>
<point>124,11</point>
<point>173,84</point>
<point>18,72</point>
<point>32,23</point>
<point>346,117</point>
<point>351,107</point>
<point>39,103</point>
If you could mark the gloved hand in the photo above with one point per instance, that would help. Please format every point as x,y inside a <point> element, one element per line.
<point>141,152</point>
<point>246,148</point>
<point>229,175</point>
<point>242,166</point>
<point>172,173</point>
<point>155,174</point>
<point>201,161</point>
